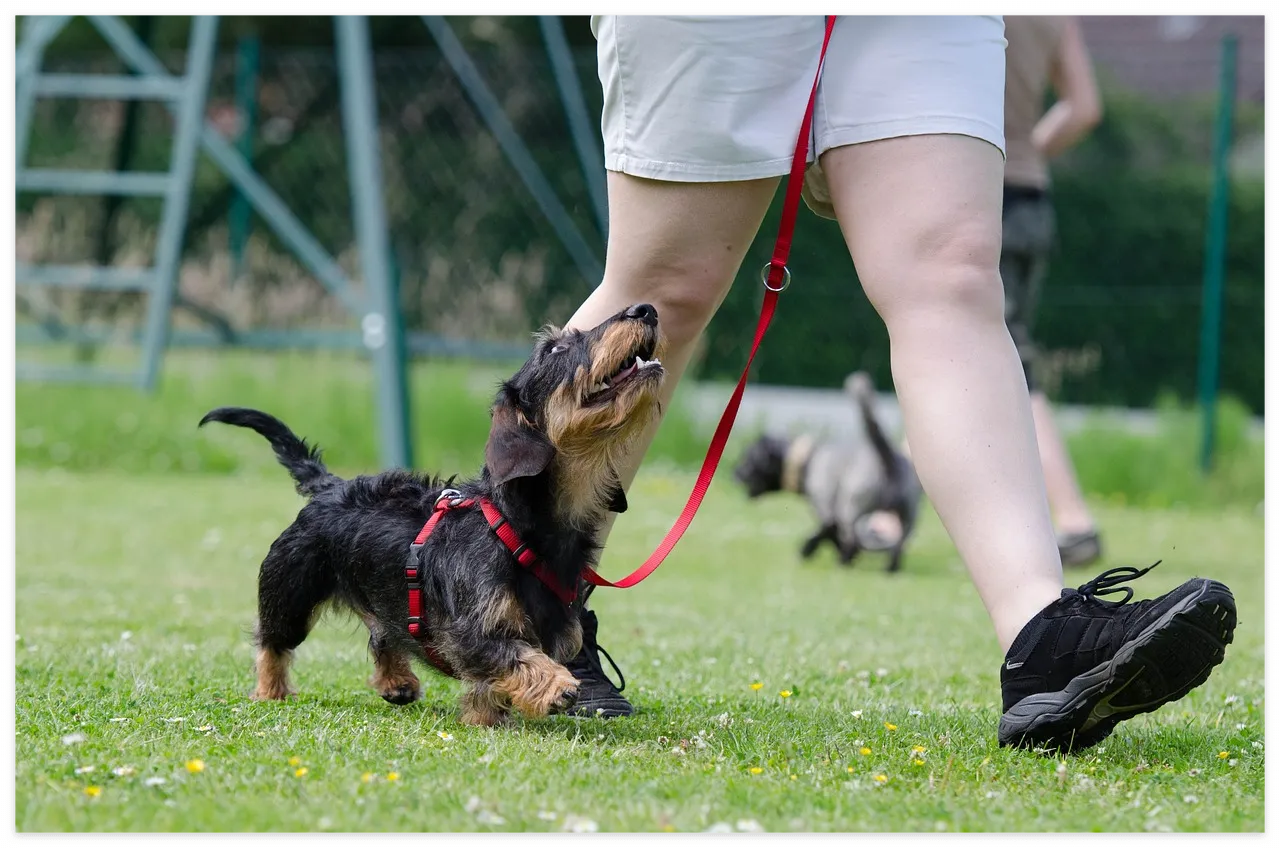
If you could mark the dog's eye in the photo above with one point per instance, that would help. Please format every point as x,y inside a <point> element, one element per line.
<point>557,349</point>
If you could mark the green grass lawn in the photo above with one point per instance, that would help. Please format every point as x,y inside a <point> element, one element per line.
<point>135,598</point>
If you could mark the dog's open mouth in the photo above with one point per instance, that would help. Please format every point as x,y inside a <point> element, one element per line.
<point>639,365</point>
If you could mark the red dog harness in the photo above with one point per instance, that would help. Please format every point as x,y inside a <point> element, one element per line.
<point>451,499</point>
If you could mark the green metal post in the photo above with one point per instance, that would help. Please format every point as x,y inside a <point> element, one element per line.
<point>590,155</point>
<point>240,216</point>
<point>401,337</point>
<point>1215,254</point>
<point>380,324</point>
<point>173,221</point>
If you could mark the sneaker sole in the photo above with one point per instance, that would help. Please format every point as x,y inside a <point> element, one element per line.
<point>1194,633</point>
<point>616,711</point>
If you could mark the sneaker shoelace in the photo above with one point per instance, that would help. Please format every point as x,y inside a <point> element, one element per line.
<point>591,654</point>
<point>1108,582</point>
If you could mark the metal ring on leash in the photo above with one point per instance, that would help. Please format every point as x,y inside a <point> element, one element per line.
<point>764,277</point>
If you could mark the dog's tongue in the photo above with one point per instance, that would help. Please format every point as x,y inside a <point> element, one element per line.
<point>625,372</point>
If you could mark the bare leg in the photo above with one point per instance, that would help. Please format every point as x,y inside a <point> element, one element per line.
<point>677,246</point>
<point>921,215</point>
<point>1070,512</point>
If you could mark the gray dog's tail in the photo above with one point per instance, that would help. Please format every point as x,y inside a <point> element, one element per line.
<point>858,384</point>
<point>300,459</point>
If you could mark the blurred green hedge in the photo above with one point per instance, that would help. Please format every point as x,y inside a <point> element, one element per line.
<point>1124,286</point>
<point>1119,316</point>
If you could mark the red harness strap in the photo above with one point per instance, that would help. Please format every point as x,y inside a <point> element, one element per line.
<point>776,278</point>
<point>451,499</point>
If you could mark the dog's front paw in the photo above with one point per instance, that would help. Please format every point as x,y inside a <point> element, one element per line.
<point>539,686</point>
<point>565,702</point>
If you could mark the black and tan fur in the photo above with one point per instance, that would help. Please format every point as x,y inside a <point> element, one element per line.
<point>549,460</point>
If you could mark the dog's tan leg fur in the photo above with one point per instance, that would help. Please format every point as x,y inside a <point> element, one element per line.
<point>392,674</point>
<point>538,685</point>
<point>273,675</point>
<point>482,706</point>
<point>502,613</point>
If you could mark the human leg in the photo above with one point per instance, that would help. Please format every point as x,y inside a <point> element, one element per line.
<point>1071,513</point>
<point>1028,232</point>
<point>921,217</point>
<point>694,150</point>
<point>677,246</point>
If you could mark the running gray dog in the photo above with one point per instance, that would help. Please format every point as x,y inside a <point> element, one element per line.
<point>844,481</point>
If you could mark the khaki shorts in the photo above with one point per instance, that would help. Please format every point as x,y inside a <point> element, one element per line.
<point>719,99</point>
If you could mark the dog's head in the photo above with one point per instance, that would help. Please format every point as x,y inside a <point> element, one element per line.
<point>760,469</point>
<point>579,401</point>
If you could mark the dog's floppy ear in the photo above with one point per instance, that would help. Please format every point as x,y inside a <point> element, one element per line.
<point>617,497</point>
<point>515,448</point>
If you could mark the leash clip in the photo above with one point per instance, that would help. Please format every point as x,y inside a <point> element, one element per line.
<point>764,277</point>
<point>451,495</point>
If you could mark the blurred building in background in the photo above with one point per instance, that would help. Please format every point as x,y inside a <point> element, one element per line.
<point>480,263</point>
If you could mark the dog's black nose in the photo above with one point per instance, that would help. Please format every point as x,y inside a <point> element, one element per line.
<point>643,312</point>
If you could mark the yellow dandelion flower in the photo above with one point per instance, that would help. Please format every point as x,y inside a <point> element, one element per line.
<point>793,777</point>
<point>295,761</point>
<point>367,777</point>
<point>300,772</point>
<point>394,775</point>
<point>849,769</point>
<point>865,751</point>
<point>93,791</point>
<point>918,762</point>
<point>195,766</point>
<point>785,693</point>
<point>888,726</point>
<point>917,749</point>
<point>757,686</point>
<point>756,770</point>
<point>1222,755</point>
<point>880,778</point>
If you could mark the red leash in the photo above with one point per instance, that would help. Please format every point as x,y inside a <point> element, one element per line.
<point>776,278</point>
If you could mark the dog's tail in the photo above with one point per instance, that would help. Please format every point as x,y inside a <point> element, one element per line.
<point>302,460</point>
<point>859,385</point>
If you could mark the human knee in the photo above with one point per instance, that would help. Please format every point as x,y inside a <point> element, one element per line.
<point>952,271</point>
<point>686,294</point>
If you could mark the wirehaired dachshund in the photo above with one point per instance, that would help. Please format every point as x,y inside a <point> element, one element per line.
<point>497,615</point>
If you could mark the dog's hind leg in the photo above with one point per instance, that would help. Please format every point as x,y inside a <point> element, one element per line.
<point>849,551</point>
<point>826,533</point>
<point>393,676</point>
<point>291,587</point>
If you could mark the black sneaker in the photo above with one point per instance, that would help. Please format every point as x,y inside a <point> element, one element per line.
<point>1080,549</point>
<point>597,696</point>
<point>1083,665</point>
